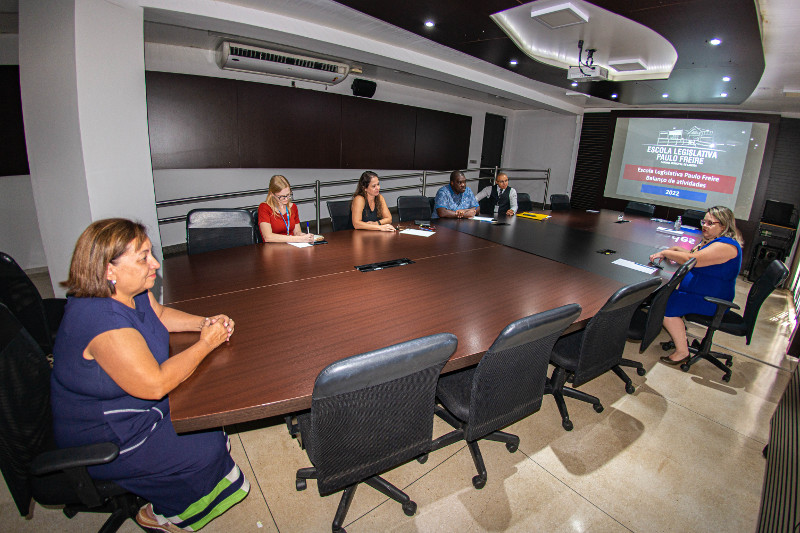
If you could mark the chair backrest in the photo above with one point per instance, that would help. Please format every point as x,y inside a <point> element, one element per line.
<point>524,202</point>
<point>22,298</point>
<point>509,381</point>
<point>639,208</point>
<point>257,231</point>
<point>374,411</point>
<point>654,318</point>
<point>692,217</point>
<point>605,335</point>
<point>775,274</point>
<point>26,425</point>
<point>339,211</point>
<point>410,208</point>
<point>216,229</point>
<point>559,202</point>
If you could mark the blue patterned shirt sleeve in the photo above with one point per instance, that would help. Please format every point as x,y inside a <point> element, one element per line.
<point>448,199</point>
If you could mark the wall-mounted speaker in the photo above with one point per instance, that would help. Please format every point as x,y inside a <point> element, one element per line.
<point>365,88</point>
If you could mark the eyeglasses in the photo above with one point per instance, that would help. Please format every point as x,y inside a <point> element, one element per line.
<point>705,222</point>
<point>283,196</point>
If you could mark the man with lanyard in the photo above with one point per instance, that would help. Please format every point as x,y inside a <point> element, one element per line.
<point>456,200</point>
<point>502,198</point>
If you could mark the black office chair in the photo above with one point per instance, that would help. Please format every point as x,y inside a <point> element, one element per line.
<point>559,202</point>
<point>506,386</point>
<point>692,217</point>
<point>31,464</point>
<point>649,317</point>
<point>524,202</point>
<point>411,208</point>
<point>259,239</point>
<point>370,413</point>
<point>216,229</point>
<point>639,208</point>
<point>40,316</point>
<point>339,211</point>
<point>584,355</point>
<point>733,323</point>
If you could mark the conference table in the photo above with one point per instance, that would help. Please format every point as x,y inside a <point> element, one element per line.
<point>298,310</point>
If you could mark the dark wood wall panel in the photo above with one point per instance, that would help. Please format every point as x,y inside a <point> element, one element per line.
<point>377,134</point>
<point>288,127</point>
<point>13,152</point>
<point>201,122</point>
<point>442,141</point>
<point>192,121</point>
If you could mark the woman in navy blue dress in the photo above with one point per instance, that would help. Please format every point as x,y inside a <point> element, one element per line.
<point>719,258</point>
<point>112,373</point>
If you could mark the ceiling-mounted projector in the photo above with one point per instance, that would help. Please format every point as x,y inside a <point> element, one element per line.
<point>584,73</point>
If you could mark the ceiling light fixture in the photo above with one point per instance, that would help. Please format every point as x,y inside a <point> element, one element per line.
<point>726,78</point>
<point>723,95</point>
<point>574,84</point>
<point>513,62</point>
<point>665,95</point>
<point>559,16</point>
<point>429,24</point>
<point>715,42</point>
<point>627,65</point>
<point>614,95</point>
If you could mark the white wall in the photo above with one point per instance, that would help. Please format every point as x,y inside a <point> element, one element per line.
<point>542,139</point>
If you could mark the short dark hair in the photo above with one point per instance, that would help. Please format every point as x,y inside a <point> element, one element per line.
<point>455,174</point>
<point>103,242</point>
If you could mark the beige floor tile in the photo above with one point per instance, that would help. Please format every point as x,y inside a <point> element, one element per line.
<point>518,496</point>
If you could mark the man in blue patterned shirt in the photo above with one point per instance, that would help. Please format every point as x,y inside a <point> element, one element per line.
<point>456,200</point>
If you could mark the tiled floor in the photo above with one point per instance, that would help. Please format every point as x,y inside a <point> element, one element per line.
<point>683,453</point>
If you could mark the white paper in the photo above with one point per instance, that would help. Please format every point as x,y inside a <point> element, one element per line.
<point>669,231</point>
<point>635,266</point>
<point>301,244</point>
<point>483,219</point>
<point>418,232</point>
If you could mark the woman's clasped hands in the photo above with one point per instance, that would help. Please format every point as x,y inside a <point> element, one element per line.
<point>216,329</point>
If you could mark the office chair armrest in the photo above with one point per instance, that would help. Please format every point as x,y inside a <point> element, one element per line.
<point>720,302</point>
<point>722,306</point>
<point>77,457</point>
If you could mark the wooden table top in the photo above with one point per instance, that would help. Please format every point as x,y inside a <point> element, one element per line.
<point>299,309</point>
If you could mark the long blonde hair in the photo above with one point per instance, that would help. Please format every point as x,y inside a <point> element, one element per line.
<point>276,184</point>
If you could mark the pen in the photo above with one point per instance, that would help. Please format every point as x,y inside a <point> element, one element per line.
<point>307,230</point>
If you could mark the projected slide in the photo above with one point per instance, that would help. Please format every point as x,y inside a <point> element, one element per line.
<point>690,161</point>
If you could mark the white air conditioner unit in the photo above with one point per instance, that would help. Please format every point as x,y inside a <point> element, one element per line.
<point>246,58</point>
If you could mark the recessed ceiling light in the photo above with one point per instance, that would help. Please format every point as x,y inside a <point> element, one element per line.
<point>614,95</point>
<point>560,15</point>
<point>429,24</point>
<point>723,95</point>
<point>513,62</point>
<point>665,95</point>
<point>715,42</point>
<point>726,78</point>
<point>574,83</point>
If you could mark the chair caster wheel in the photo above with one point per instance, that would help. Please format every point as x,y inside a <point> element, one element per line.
<point>338,530</point>
<point>567,424</point>
<point>478,481</point>
<point>641,371</point>
<point>685,367</point>
<point>300,484</point>
<point>422,459</point>
<point>409,508</point>
<point>726,378</point>
<point>667,346</point>
<point>598,408</point>
<point>729,363</point>
<point>512,447</point>
<point>629,388</point>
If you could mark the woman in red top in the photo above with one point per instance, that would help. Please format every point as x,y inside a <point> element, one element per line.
<point>278,219</point>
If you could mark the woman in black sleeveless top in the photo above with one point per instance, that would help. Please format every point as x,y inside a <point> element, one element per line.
<point>368,208</point>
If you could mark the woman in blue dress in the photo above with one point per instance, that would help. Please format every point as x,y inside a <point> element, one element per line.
<point>112,373</point>
<point>719,258</point>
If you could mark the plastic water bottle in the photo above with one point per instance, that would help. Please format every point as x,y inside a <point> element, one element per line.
<point>678,223</point>
<point>620,217</point>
